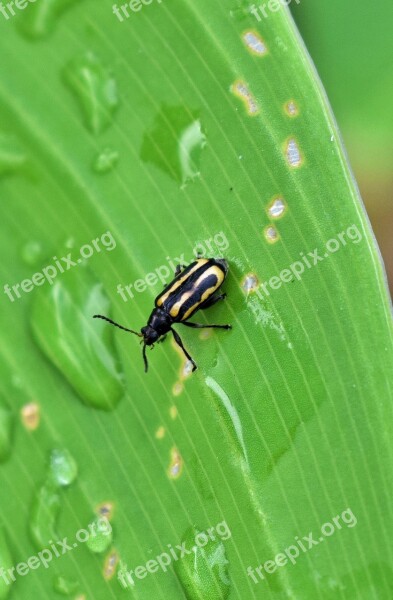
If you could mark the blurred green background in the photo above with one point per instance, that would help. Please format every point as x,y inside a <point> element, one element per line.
<point>351,44</point>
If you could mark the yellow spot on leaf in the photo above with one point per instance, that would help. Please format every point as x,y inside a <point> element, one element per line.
<point>176,465</point>
<point>177,388</point>
<point>271,234</point>
<point>249,283</point>
<point>277,208</point>
<point>254,43</point>
<point>173,412</point>
<point>291,109</point>
<point>30,415</point>
<point>110,565</point>
<point>241,90</point>
<point>105,509</point>
<point>160,432</point>
<point>293,154</point>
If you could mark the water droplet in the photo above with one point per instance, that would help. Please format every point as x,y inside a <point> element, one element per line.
<point>204,572</point>
<point>110,565</point>
<point>175,143</point>
<point>64,586</point>
<point>101,537</point>
<point>105,161</point>
<point>176,465</point>
<point>277,208</point>
<point>271,234</point>
<point>30,415</point>
<point>6,563</point>
<point>240,12</point>
<point>12,156</point>
<point>291,108</point>
<point>63,468</point>
<point>95,89</point>
<point>160,433</point>
<point>292,153</point>
<point>6,428</point>
<point>250,283</point>
<point>40,19</point>
<point>82,348</point>
<point>241,90</point>
<point>32,253</point>
<point>254,43</point>
<point>231,419</point>
<point>44,515</point>
<point>46,506</point>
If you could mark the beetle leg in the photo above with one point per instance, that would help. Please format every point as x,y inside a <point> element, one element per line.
<point>212,300</point>
<point>179,269</point>
<point>145,358</point>
<point>180,343</point>
<point>162,339</point>
<point>202,326</point>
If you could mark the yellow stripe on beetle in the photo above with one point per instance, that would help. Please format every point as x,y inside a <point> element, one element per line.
<point>172,287</point>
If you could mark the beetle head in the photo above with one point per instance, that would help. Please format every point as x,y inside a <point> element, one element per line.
<point>150,335</point>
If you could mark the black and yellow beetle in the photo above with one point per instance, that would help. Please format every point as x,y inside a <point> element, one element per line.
<point>193,288</point>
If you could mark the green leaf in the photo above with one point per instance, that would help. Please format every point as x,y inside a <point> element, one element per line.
<point>131,146</point>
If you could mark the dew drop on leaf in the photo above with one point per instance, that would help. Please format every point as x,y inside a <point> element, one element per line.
<point>40,18</point>
<point>95,89</point>
<point>32,253</point>
<point>101,537</point>
<point>81,348</point>
<point>105,161</point>
<point>61,472</point>
<point>63,468</point>
<point>175,143</point>
<point>42,521</point>
<point>64,586</point>
<point>204,572</point>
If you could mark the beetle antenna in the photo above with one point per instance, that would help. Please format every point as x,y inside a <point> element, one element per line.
<point>117,324</point>
<point>145,357</point>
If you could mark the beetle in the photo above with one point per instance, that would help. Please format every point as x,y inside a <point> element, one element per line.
<point>194,288</point>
